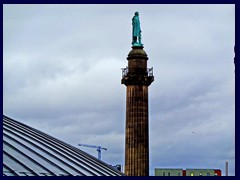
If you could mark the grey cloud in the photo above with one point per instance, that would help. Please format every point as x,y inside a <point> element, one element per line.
<point>62,71</point>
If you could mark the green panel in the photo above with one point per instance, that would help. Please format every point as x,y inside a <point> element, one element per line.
<point>199,172</point>
<point>168,172</point>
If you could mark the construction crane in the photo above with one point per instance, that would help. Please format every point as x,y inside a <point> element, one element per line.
<point>93,146</point>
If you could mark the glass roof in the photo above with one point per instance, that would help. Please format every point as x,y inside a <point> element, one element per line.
<point>30,152</point>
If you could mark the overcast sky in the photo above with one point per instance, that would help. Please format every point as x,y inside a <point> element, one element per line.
<point>62,75</point>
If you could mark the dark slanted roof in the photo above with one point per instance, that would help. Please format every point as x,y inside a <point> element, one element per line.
<point>30,152</point>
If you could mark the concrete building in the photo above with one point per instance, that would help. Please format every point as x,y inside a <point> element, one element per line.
<point>137,77</point>
<point>187,172</point>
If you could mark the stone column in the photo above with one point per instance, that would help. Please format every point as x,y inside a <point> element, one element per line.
<point>137,77</point>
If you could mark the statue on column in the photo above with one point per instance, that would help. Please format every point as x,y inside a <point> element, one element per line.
<point>136,31</point>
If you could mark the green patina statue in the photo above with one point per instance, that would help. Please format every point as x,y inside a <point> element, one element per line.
<point>136,31</point>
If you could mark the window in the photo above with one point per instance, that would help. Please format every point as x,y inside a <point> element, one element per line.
<point>163,173</point>
<point>168,173</point>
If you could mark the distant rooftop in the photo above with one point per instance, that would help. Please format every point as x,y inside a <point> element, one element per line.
<point>30,152</point>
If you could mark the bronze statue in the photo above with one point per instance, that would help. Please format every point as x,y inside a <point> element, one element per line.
<point>136,31</point>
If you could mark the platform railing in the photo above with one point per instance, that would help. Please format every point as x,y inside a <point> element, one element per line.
<point>146,71</point>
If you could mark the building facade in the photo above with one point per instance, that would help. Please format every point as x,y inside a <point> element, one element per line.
<point>168,172</point>
<point>187,172</point>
